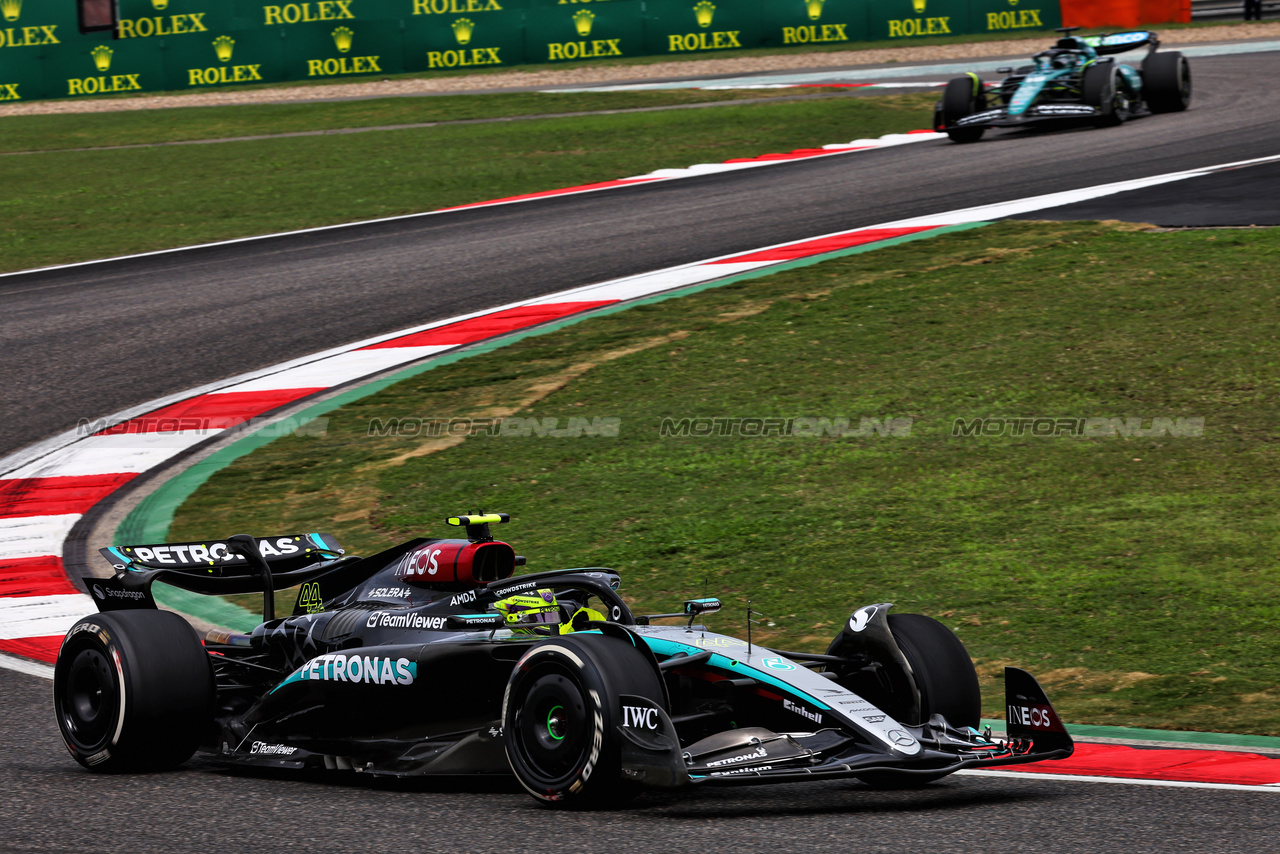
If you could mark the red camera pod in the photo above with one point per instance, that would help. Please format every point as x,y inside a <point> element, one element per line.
<point>457,562</point>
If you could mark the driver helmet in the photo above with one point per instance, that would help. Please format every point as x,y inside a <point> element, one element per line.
<point>536,613</point>
<point>580,620</point>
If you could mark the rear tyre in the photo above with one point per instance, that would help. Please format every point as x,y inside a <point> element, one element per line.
<point>960,99</point>
<point>1166,82</point>
<point>133,691</point>
<point>560,718</point>
<point>1100,87</point>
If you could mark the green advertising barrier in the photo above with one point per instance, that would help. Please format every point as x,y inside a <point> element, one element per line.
<point>184,45</point>
<point>31,33</point>
<point>332,12</point>
<point>233,57</point>
<point>689,26</point>
<point>159,19</point>
<point>23,81</point>
<point>571,31</point>
<point>998,16</point>
<point>907,19</point>
<point>796,22</point>
<point>325,51</point>
<point>101,66</point>
<point>460,41</point>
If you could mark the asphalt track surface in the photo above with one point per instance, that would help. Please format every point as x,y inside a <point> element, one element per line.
<point>87,341</point>
<point>1233,198</point>
<point>203,809</point>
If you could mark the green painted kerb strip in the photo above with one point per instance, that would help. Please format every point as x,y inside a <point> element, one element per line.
<point>1227,739</point>
<point>149,522</point>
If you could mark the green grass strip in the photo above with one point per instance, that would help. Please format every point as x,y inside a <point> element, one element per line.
<point>57,132</point>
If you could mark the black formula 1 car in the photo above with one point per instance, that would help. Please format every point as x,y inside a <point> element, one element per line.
<point>1078,78</point>
<point>430,658</point>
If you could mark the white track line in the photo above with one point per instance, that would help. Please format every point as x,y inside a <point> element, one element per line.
<point>1124,781</point>
<point>42,616</point>
<point>22,665</point>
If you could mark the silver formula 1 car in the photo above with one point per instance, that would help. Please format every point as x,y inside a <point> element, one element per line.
<point>1078,78</point>
<point>432,658</point>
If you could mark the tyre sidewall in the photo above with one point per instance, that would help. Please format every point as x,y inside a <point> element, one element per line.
<point>958,100</point>
<point>1099,86</point>
<point>100,634</point>
<point>604,668</point>
<point>1163,76</point>
<point>943,672</point>
<point>164,689</point>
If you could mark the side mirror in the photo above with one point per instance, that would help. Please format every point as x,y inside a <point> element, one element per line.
<point>694,607</point>
<point>1005,69</point>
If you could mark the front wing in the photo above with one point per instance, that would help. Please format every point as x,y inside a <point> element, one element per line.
<point>999,117</point>
<point>652,756</point>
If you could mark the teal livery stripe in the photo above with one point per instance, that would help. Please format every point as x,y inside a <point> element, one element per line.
<point>663,646</point>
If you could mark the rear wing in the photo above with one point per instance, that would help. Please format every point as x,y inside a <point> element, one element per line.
<point>1112,43</point>
<point>240,564</point>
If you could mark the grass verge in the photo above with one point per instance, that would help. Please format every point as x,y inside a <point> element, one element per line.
<point>1131,574</point>
<point>71,206</point>
<point>149,127</point>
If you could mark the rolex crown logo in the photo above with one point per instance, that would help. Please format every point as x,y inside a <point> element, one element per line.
<point>582,20</point>
<point>160,5</point>
<point>11,9</point>
<point>102,58</point>
<point>814,8</point>
<point>703,12</point>
<point>462,29</point>
<point>918,5</point>
<point>342,37</point>
<point>222,46</point>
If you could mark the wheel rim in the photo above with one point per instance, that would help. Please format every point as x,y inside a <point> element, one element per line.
<point>557,724</point>
<point>553,733</point>
<point>89,701</point>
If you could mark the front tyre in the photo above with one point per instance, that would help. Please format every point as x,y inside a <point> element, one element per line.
<point>132,691</point>
<point>1166,82</point>
<point>1100,88</point>
<point>941,672</point>
<point>963,97</point>
<point>944,673</point>
<point>561,713</point>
